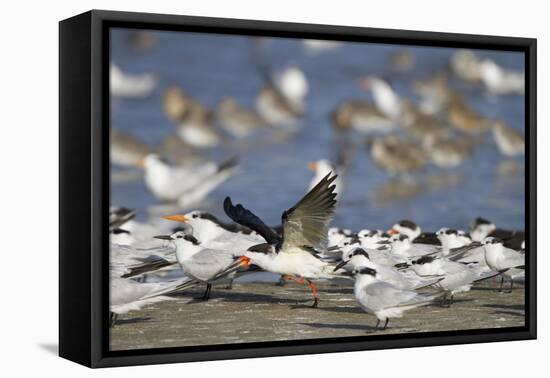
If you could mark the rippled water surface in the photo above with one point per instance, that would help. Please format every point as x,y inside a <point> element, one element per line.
<point>273,174</point>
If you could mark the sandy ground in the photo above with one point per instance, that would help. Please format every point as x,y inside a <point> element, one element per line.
<point>252,312</point>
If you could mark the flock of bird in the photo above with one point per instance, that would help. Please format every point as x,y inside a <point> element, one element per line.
<point>392,271</point>
<point>402,135</point>
<point>388,268</point>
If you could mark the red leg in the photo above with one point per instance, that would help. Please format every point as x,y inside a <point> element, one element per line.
<point>311,285</point>
<point>295,279</point>
<point>314,292</point>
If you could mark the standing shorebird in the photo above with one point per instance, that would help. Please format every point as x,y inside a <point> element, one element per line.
<point>385,98</point>
<point>500,81</point>
<point>361,116</point>
<point>194,122</point>
<point>509,141</point>
<point>281,101</point>
<point>396,155</point>
<point>136,86</point>
<point>463,118</point>
<point>466,66</point>
<point>126,150</point>
<point>294,253</point>
<point>236,120</point>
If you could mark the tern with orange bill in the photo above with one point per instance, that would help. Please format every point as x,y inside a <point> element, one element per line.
<point>184,184</point>
<point>294,253</point>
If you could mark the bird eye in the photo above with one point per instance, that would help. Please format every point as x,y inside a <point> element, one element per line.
<point>194,215</point>
<point>346,243</point>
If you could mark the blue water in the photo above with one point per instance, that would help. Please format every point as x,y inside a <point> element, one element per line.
<point>273,175</point>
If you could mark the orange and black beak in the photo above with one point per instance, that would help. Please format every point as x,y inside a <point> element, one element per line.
<point>176,218</point>
<point>392,231</point>
<point>312,166</point>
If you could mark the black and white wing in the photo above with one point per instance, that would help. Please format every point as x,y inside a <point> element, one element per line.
<point>306,223</point>
<point>245,217</point>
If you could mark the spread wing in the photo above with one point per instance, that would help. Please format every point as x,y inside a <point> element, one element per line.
<point>306,223</point>
<point>246,218</point>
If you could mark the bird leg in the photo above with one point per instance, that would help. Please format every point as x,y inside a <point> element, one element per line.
<point>282,281</point>
<point>295,279</point>
<point>314,293</point>
<point>386,323</point>
<point>444,302</point>
<point>511,285</point>
<point>501,283</point>
<point>309,283</point>
<point>206,295</point>
<point>377,323</point>
<point>113,318</point>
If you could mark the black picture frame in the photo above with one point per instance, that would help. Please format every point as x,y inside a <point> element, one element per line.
<point>84,187</point>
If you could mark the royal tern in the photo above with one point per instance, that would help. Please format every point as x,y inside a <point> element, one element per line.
<point>185,184</point>
<point>508,262</point>
<point>293,254</point>
<point>217,235</point>
<point>384,299</point>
